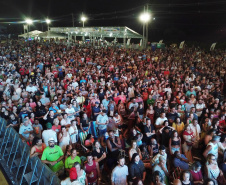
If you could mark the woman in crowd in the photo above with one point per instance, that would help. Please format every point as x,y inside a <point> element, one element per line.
<point>197,173</point>
<point>174,143</point>
<point>186,178</point>
<point>212,170</point>
<point>38,147</point>
<point>188,138</point>
<point>178,126</point>
<point>64,138</point>
<point>134,149</point>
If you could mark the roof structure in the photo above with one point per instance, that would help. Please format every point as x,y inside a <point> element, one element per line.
<point>34,33</point>
<point>51,34</point>
<point>115,32</point>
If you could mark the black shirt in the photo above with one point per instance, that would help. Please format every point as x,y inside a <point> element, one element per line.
<point>98,155</point>
<point>136,170</point>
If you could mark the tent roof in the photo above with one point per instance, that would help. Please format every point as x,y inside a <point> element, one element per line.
<point>51,34</point>
<point>34,33</point>
<point>118,32</point>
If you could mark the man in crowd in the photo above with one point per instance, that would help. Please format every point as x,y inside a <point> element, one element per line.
<point>120,172</point>
<point>53,156</point>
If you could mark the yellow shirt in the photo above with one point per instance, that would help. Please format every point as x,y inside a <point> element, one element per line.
<point>178,128</point>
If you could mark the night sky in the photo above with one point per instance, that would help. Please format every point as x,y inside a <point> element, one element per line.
<point>174,19</point>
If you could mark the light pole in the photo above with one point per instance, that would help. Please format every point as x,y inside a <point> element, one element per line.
<point>83,19</point>
<point>145,17</point>
<point>29,22</point>
<point>48,22</point>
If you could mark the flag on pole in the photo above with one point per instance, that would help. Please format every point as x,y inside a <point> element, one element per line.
<point>128,42</point>
<point>213,46</point>
<point>141,41</point>
<point>181,45</point>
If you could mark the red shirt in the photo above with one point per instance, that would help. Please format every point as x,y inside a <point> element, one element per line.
<point>91,172</point>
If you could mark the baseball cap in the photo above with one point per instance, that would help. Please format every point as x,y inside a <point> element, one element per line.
<point>48,125</point>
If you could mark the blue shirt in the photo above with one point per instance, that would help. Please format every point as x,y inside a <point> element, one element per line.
<point>102,119</point>
<point>178,163</point>
<point>105,103</point>
<point>54,109</point>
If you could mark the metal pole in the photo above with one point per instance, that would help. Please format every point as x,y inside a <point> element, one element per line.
<point>73,23</point>
<point>146,31</point>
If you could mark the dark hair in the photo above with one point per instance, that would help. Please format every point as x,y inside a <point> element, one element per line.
<point>120,157</point>
<point>89,154</point>
<point>155,174</point>
<point>73,149</point>
<point>35,141</point>
<point>162,147</point>
<point>188,172</point>
<point>196,165</point>
<point>134,156</point>
<point>63,127</point>
<point>77,163</point>
<point>88,136</point>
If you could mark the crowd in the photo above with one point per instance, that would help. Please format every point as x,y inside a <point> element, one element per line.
<point>115,115</point>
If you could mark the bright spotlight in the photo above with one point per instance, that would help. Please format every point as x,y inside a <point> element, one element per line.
<point>145,17</point>
<point>83,19</point>
<point>28,21</point>
<point>48,21</point>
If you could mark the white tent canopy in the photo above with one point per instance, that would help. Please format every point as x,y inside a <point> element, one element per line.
<point>51,34</point>
<point>114,32</point>
<point>34,33</point>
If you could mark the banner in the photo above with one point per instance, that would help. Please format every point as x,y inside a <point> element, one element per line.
<point>25,28</point>
<point>141,41</point>
<point>128,42</point>
<point>181,45</point>
<point>213,46</point>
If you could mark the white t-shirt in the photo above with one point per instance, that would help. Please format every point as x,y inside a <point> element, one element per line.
<point>119,175</point>
<point>199,106</point>
<point>46,134</point>
<point>160,120</point>
<point>74,136</point>
<point>70,111</point>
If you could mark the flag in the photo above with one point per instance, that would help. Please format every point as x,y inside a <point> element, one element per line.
<point>141,41</point>
<point>128,42</point>
<point>181,45</point>
<point>161,41</point>
<point>213,46</point>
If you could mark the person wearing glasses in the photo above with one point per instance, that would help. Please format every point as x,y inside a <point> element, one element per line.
<point>212,170</point>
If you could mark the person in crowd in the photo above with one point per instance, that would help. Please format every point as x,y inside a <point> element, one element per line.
<point>92,170</point>
<point>174,143</point>
<point>212,170</point>
<point>161,167</point>
<point>136,169</point>
<point>212,147</point>
<point>49,133</point>
<point>120,172</point>
<point>102,122</point>
<point>69,162</point>
<point>157,178</point>
<point>53,156</point>
<point>178,126</point>
<point>37,147</point>
<point>25,130</point>
<point>197,173</point>
<point>99,154</point>
<point>180,161</point>
<point>134,149</point>
<point>186,178</point>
